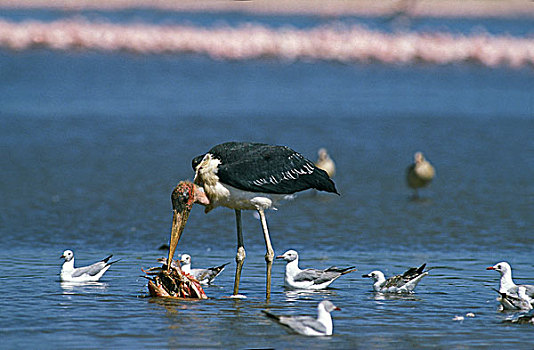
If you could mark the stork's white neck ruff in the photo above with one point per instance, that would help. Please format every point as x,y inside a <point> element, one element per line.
<point>228,196</point>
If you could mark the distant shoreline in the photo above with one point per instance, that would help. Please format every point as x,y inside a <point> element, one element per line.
<point>414,8</point>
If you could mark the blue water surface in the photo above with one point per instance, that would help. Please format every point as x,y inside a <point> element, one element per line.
<point>92,144</point>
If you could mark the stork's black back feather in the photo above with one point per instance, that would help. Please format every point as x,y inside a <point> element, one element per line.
<point>259,167</point>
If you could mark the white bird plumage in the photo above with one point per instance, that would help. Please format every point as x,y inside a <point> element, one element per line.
<point>404,283</point>
<point>313,279</point>
<point>515,301</point>
<point>512,296</point>
<point>307,325</point>
<point>91,273</point>
<point>204,276</point>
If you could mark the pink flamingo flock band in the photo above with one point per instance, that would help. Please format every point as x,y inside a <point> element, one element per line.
<point>413,8</point>
<point>340,43</point>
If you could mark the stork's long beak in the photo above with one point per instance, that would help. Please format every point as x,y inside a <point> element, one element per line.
<point>181,209</point>
<point>179,219</point>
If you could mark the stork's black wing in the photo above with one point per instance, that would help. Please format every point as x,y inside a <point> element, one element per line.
<point>258,167</point>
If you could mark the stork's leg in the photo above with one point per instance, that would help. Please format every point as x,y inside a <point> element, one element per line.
<point>240,256</point>
<point>269,255</point>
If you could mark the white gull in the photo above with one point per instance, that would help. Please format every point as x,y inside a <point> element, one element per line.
<point>507,284</point>
<point>204,276</point>
<point>404,283</point>
<point>314,279</point>
<point>307,325</point>
<point>512,296</point>
<point>91,273</point>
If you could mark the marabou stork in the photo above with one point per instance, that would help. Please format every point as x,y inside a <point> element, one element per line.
<point>245,176</point>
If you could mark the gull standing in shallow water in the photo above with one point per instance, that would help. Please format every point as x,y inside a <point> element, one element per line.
<point>91,273</point>
<point>404,283</point>
<point>204,276</point>
<point>307,325</point>
<point>314,279</point>
<point>509,288</point>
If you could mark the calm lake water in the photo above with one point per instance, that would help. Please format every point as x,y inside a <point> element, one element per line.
<point>92,144</point>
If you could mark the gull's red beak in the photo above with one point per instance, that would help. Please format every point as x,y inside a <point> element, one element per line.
<point>490,268</point>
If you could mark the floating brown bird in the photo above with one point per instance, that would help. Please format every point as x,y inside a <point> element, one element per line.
<point>325,162</point>
<point>420,173</point>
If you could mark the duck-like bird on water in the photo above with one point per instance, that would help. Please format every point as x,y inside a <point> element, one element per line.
<point>245,176</point>
<point>419,174</point>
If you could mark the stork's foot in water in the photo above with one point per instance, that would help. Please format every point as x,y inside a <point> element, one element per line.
<point>236,296</point>
<point>173,283</point>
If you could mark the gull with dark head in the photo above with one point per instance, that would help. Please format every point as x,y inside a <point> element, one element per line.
<point>91,273</point>
<point>307,325</point>
<point>245,176</point>
<point>404,283</point>
<point>313,279</point>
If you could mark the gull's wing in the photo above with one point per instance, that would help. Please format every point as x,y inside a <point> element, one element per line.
<point>208,274</point>
<point>529,289</point>
<point>91,270</point>
<point>412,275</point>
<point>302,324</point>
<point>410,285</point>
<point>315,276</point>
